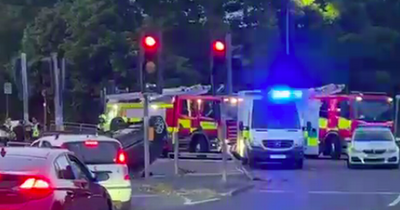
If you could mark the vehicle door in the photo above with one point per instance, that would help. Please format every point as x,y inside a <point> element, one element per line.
<point>187,116</point>
<point>209,116</point>
<point>65,187</point>
<point>92,193</point>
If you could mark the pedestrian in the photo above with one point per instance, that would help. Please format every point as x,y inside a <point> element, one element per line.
<point>19,131</point>
<point>35,129</point>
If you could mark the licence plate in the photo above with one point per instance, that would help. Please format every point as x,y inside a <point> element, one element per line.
<point>277,156</point>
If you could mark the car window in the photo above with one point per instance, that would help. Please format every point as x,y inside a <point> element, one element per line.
<point>103,152</point>
<point>46,144</point>
<point>79,169</point>
<point>373,135</point>
<point>63,168</point>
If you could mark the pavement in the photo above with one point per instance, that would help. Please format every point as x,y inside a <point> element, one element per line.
<point>322,185</point>
<point>198,181</point>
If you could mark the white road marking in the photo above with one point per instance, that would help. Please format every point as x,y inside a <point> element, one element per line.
<point>189,202</point>
<point>212,174</point>
<point>334,192</point>
<point>395,202</point>
<point>144,196</point>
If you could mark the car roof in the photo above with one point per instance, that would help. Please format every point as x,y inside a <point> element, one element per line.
<point>58,140</point>
<point>34,152</point>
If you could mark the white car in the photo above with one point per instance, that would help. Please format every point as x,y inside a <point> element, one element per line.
<point>373,146</point>
<point>101,154</point>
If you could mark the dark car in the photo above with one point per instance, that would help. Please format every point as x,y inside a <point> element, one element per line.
<point>48,179</point>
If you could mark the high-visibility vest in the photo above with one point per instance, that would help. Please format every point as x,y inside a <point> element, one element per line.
<point>35,130</point>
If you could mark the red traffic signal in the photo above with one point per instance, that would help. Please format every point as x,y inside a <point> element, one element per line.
<point>219,46</point>
<point>149,42</point>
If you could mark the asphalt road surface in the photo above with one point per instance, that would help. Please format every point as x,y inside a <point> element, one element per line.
<point>321,185</point>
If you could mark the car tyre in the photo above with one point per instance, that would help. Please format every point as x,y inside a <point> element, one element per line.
<point>349,165</point>
<point>337,152</point>
<point>299,164</point>
<point>394,166</point>
<point>199,144</point>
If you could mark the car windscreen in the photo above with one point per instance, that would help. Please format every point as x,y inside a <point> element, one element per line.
<point>270,115</point>
<point>102,152</point>
<point>374,110</point>
<point>373,135</point>
<point>21,163</point>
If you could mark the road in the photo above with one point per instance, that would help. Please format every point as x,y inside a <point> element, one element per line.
<point>321,185</point>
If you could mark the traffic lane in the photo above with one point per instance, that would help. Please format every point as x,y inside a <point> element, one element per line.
<point>260,200</point>
<point>328,175</point>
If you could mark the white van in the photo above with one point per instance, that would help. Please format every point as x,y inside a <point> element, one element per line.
<point>270,129</point>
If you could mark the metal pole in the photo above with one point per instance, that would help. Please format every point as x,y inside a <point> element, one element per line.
<point>287,28</point>
<point>396,120</point>
<point>228,41</point>
<point>25,87</point>
<point>175,140</point>
<point>224,152</point>
<point>58,120</point>
<point>6,106</point>
<point>146,135</point>
<point>45,115</point>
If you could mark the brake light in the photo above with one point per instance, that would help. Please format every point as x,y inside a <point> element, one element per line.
<point>35,188</point>
<point>121,157</point>
<point>91,143</point>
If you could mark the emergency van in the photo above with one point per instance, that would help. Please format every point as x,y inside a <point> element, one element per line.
<point>270,128</point>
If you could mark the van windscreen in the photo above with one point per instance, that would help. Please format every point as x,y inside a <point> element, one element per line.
<point>269,115</point>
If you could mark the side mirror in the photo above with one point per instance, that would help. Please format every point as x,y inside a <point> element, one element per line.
<point>101,176</point>
<point>241,127</point>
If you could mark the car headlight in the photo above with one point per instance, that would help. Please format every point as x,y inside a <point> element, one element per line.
<point>393,150</point>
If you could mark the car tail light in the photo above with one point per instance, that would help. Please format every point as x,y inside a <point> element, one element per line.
<point>121,157</point>
<point>35,188</point>
<point>91,143</point>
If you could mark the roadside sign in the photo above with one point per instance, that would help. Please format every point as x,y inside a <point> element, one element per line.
<point>7,88</point>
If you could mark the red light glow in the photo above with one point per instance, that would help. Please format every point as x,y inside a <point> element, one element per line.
<point>121,158</point>
<point>219,46</point>
<point>91,143</point>
<point>150,41</point>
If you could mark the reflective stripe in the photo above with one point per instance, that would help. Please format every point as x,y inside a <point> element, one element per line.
<point>138,105</point>
<point>170,129</point>
<point>312,141</point>
<point>246,134</point>
<point>35,131</point>
<point>134,119</point>
<point>323,123</point>
<point>185,123</point>
<point>206,125</point>
<point>344,123</point>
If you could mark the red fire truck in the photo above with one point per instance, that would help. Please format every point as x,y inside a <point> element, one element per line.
<point>340,114</point>
<point>195,117</point>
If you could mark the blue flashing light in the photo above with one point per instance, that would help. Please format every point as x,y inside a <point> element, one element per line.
<point>286,94</point>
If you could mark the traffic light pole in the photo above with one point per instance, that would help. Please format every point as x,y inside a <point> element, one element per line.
<point>146,135</point>
<point>228,41</point>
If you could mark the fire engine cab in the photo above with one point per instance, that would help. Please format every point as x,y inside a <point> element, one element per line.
<point>341,114</point>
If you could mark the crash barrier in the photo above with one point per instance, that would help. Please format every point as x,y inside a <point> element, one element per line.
<point>17,144</point>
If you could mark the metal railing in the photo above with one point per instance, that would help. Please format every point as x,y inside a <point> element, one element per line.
<point>70,127</point>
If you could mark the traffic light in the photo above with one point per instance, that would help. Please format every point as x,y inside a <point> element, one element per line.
<point>150,62</point>
<point>221,63</point>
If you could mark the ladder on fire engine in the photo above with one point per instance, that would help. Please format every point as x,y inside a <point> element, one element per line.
<point>326,90</point>
<point>167,92</point>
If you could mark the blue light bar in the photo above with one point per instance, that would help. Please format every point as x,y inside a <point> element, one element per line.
<point>286,94</point>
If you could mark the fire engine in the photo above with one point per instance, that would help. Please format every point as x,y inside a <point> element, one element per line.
<point>340,114</point>
<point>195,117</point>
